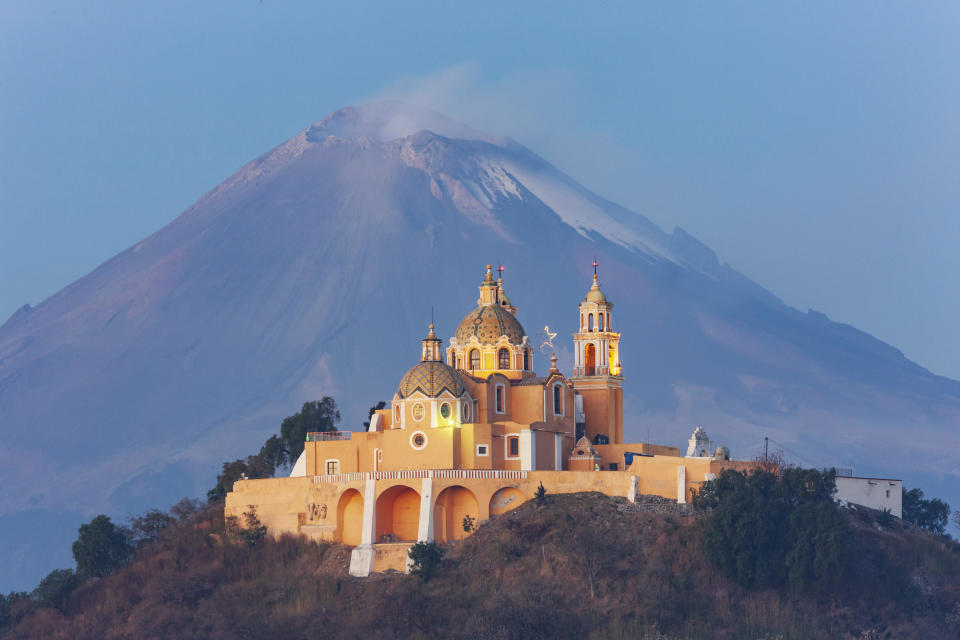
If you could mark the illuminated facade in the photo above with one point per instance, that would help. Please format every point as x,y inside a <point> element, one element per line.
<point>470,433</point>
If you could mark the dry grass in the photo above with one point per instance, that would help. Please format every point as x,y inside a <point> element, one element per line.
<point>575,567</point>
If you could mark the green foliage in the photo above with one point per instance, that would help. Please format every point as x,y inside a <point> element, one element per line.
<point>426,557</point>
<point>318,415</point>
<point>766,530</point>
<point>277,451</point>
<point>101,548</point>
<point>469,523</point>
<point>373,410</point>
<point>930,514</point>
<point>13,607</point>
<point>541,495</point>
<point>55,589</point>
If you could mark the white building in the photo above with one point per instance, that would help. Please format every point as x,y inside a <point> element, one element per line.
<point>876,493</point>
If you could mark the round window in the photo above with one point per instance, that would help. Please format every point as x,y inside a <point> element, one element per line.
<point>466,411</point>
<point>418,440</point>
<point>418,412</point>
<point>445,411</point>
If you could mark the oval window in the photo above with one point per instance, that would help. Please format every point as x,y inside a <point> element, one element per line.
<point>396,413</point>
<point>418,412</point>
<point>445,411</point>
<point>419,440</point>
<point>466,411</point>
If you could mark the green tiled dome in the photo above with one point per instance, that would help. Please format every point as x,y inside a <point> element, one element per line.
<point>431,379</point>
<point>488,323</point>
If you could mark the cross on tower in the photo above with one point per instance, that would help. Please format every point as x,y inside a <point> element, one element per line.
<point>594,265</point>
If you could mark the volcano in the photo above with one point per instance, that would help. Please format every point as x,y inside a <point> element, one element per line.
<point>315,269</point>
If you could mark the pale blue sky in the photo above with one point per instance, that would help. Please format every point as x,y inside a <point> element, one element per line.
<point>814,146</point>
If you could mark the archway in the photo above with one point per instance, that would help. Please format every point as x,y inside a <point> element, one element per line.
<point>506,499</point>
<point>398,515</point>
<point>452,505</point>
<point>350,517</point>
<point>590,360</point>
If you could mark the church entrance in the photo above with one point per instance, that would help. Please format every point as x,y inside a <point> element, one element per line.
<point>452,506</point>
<point>350,517</point>
<point>398,515</point>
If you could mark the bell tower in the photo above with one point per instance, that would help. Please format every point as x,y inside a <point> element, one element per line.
<point>597,373</point>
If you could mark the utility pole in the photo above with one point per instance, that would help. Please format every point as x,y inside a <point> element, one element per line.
<point>766,447</point>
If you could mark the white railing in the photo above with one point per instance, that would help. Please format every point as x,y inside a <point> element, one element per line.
<point>416,474</point>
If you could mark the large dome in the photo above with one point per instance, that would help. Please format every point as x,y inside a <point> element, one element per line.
<point>431,378</point>
<point>489,322</point>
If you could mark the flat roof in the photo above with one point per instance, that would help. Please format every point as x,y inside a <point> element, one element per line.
<point>868,478</point>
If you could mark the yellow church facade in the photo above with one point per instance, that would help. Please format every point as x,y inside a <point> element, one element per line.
<point>471,433</point>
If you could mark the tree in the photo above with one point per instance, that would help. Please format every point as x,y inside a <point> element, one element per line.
<point>55,589</point>
<point>765,530</point>
<point>101,548</point>
<point>321,415</point>
<point>426,558</point>
<point>469,523</point>
<point>373,410</point>
<point>956,518</point>
<point>147,528</point>
<point>930,514</point>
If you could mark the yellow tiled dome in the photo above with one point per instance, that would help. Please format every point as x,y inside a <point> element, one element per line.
<point>431,378</point>
<point>488,323</point>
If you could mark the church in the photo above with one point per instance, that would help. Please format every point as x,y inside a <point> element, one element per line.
<point>471,432</point>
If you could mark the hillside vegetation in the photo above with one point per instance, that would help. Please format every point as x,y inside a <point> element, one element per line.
<point>583,565</point>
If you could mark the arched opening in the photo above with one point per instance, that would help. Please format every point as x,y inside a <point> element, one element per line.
<point>474,359</point>
<point>506,499</point>
<point>590,322</point>
<point>526,360</point>
<point>500,399</point>
<point>557,400</point>
<point>398,515</point>
<point>452,506</point>
<point>503,357</point>
<point>590,360</point>
<point>600,324</point>
<point>350,517</point>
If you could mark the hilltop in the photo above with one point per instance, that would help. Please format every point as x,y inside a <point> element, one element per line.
<point>583,565</point>
<point>312,271</point>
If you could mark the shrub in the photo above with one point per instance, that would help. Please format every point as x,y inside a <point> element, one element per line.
<point>541,495</point>
<point>426,558</point>
<point>469,523</point>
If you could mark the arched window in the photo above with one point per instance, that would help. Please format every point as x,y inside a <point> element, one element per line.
<point>557,400</point>
<point>526,360</point>
<point>474,359</point>
<point>500,399</point>
<point>503,357</point>
<point>601,322</point>
<point>590,322</point>
<point>590,360</point>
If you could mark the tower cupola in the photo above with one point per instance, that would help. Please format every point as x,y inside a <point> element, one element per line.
<point>432,351</point>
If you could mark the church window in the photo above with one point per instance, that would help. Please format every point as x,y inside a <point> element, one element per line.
<point>500,399</point>
<point>590,322</point>
<point>600,324</point>
<point>513,446</point>
<point>459,362</point>
<point>504,357</point>
<point>418,440</point>
<point>418,412</point>
<point>466,412</point>
<point>590,360</point>
<point>557,400</point>
<point>396,414</point>
<point>333,467</point>
<point>482,450</point>
<point>474,359</point>
<point>526,360</point>
<point>445,411</point>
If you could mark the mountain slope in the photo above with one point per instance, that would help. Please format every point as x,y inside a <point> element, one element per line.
<point>313,269</point>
